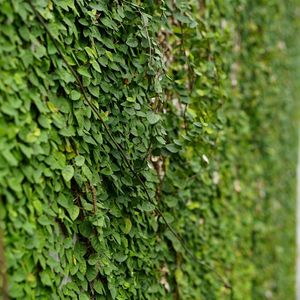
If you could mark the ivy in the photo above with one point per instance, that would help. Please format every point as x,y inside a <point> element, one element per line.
<point>147,149</point>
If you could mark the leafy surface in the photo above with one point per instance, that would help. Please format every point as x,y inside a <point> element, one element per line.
<point>147,149</point>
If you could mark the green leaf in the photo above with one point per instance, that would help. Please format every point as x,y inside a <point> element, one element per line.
<point>109,55</point>
<point>83,297</point>
<point>10,157</point>
<point>91,273</point>
<point>44,121</point>
<point>130,99</point>
<point>87,172</point>
<point>96,66</point>
<point>73,212</point>
<point>93,259</point>
<point>99,5</point>
<point>108,23</point>
<point>75,95</point>
<point>132,42</point>
<point>84,71</point>
<point>45,278</point>
<point>98,287</point>
<point>160,140</point>
<point>79,160</point>
<point>172,148</point>
<point>64,201</point>
<point>127,228</point>
<point>113,290</point>
<point>44,220</point>
<point>94,90</point>
<point>68,173</point>
<point>120,257</point>
<point>152,117</point>
<point>68,131</point>
<point>65,4</point>
<point>146,206</point>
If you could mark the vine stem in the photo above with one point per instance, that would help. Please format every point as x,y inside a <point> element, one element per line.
<point>114,143</point>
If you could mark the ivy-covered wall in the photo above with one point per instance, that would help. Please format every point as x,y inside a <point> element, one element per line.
<point>148,149</point>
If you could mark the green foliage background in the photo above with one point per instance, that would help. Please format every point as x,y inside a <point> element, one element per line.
<point>148,149</point>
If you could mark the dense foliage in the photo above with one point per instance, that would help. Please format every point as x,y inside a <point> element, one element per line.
<point>147,149</point>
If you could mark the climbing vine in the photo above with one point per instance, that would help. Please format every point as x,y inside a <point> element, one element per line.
<point>139,149</point>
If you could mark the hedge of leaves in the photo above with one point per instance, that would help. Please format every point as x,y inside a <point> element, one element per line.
<point>147,149</point>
